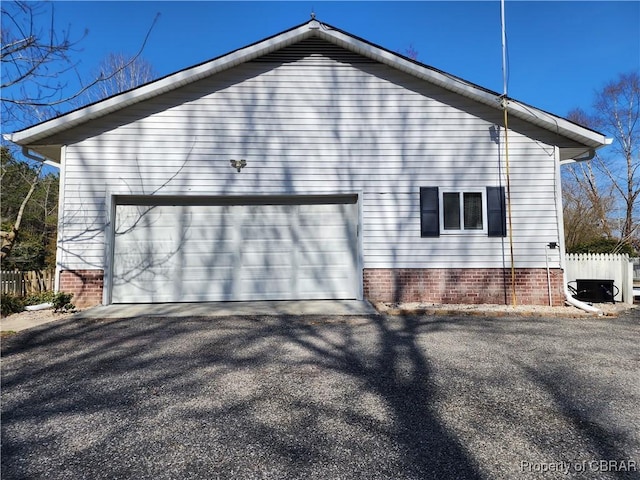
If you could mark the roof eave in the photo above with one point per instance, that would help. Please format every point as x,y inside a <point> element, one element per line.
<point>585,136</point>
<point>31,135</point>
<point>533,115</point>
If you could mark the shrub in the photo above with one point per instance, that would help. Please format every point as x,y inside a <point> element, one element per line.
<point>38,298</point>
<point>603,245</point>
<point>62,302</point>
<point>11,304</point>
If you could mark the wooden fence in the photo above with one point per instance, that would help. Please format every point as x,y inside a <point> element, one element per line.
<point>27,283</point>
<point>603,266</point>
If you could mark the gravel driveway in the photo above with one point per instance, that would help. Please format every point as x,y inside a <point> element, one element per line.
<point>323,398</point>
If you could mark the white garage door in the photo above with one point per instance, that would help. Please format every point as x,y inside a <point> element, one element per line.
<point>290,248</point>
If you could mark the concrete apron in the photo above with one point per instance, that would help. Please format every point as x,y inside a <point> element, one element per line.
<point>219,309</point>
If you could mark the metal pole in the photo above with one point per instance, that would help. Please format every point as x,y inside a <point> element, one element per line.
<point>514,299</point>
<point>504,50</point>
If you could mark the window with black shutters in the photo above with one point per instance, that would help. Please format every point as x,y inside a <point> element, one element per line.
<point>447,211</point>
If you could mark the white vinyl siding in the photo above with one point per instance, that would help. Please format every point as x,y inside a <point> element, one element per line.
<point>316,125</point>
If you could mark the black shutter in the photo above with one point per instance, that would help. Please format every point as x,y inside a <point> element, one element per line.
<point>496,212</point>
<point>429,212</point>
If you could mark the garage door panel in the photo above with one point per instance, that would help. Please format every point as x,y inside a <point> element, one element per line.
<point>144,266</point>
<point>172,253</point>
<point>323,234</point>
<point>255,263</point>
<point>203,266</point>
<point>308,288</point>
<point>130,215</point>
<point>210,237</point>
<point>333,279</point>
<point>264,233</point>
<point>209,244</point>
<point>331,262</point>
<point>265,244</point>
<point>206,258</point>
<point>323,245</point>
<point>260,273</point>
<point>137,247</point>
<point>270,283</point>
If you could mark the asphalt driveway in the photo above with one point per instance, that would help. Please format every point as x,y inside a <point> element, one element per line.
<point>313,397</point>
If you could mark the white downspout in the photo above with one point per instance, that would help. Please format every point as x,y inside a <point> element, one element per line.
<point>576,303</point>
<point>560,221</point>
<point>569,298</point>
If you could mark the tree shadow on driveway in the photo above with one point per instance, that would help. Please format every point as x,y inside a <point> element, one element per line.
<point>242,398</point>
<point>291,397</point>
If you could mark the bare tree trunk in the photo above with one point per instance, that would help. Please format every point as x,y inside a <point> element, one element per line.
<point>9,238</point>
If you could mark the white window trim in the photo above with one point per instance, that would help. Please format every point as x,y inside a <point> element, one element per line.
<point>462,231</point>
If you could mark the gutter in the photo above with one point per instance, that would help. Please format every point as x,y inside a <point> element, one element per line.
<point>25,152</point>
<point>585,158</point>
<point>589,155</point>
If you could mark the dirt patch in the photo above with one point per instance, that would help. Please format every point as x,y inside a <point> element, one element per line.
<point>608,309</point>
<point>39,316</point>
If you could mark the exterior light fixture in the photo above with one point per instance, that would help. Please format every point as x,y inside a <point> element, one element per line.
<point>238,164</point>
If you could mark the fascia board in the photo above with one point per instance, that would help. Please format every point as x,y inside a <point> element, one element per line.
<point>398,62</point>
<point>171,82</point>
<point>474,92</point>
<point>556,124</point>
<point>533,115</point>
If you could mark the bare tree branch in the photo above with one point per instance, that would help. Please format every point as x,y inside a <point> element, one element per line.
<point>126,73</point>
<point>36,56</point>
<point>34,60</point>
<point>616,112</point>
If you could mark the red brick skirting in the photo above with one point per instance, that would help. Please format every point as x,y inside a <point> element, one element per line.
<point>86,286</point>
<point>462,285</point>
<point>428,285</point>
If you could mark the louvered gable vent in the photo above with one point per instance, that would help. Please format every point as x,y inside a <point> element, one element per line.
<point>313,48</point>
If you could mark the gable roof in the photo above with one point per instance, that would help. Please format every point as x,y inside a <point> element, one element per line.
<point>35,137</point>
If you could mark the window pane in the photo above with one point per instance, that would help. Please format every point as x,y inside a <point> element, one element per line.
<point>473,211</point>
<point>451,206</point>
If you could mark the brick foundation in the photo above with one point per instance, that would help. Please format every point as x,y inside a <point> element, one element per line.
<point>428,285</point>
<point>86,286</point>
<point>462,285</point>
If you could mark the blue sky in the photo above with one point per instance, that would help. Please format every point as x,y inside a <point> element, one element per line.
<point>560,53</point>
